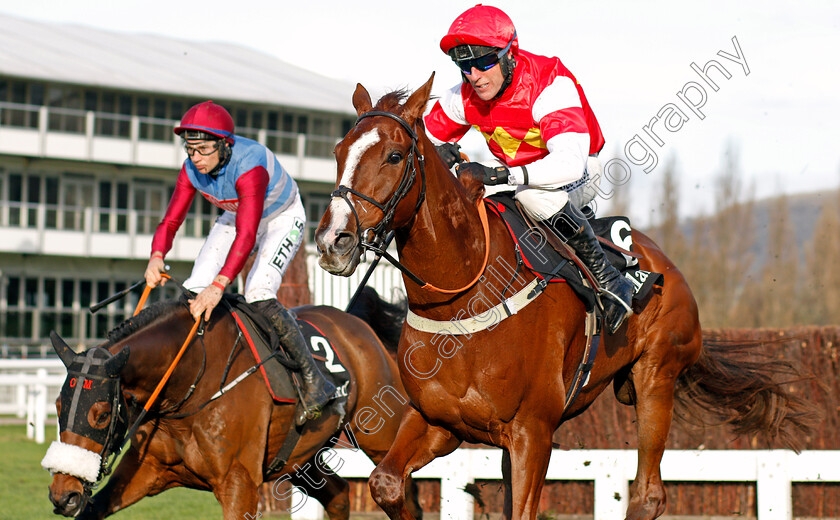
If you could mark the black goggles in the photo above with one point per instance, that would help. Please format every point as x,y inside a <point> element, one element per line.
<point>483,63</point>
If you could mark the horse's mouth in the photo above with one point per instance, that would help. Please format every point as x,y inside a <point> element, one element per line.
<point>340,265</point>
<point>70,505</point>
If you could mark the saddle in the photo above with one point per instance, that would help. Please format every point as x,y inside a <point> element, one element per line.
<point>275,366</point>
<point>548,264</point>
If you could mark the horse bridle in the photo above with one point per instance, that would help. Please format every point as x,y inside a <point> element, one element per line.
<point>116,428</point>
<point>377,244</point>
<point>388,208</point>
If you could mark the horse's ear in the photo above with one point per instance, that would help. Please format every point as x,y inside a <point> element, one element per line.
<point>361,100</point>
<point>416,104</point>
<point>115,363</point>
<point>65,353</point>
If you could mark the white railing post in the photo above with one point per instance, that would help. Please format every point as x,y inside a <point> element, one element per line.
<point>304,507</point>
<point>773,486</point>
<point>30,411</point>
<point>43,117</point>
<point>21,398</point>
<point>455,502</point>
<point>134,135</point>
<point>40,391</point>
<point>611,486</point>
<point>90,124</point>
<point>301,153</point>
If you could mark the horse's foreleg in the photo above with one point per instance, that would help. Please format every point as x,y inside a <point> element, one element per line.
<point>654,410</point>
<point>237,494</point>
<point>526,463</point>
<point>417,443</point>
<point>329,489</point>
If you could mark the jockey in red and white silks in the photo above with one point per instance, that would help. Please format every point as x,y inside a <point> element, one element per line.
<point>541,124</point>
<point>538,124</point>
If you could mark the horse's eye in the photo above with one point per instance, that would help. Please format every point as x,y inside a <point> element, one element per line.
<point>395,158</point>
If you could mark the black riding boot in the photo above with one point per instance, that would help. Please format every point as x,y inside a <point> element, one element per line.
<point>575,230</point>
<point>317,389</point>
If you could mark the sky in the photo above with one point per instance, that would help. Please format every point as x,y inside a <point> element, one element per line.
<point>779,108</point>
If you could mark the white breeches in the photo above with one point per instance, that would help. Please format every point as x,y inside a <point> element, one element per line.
<point>277,242</point>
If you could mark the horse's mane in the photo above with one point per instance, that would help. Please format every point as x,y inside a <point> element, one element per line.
<point>392,100</point>
<point>151,313</point>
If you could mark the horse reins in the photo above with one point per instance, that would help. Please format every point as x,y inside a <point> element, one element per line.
<point>389,208</point>
<point>150,402</point>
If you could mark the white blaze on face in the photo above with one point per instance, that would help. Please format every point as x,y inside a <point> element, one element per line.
<point>339,208</point>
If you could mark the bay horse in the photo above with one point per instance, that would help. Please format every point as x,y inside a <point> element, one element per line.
<point>505,384</point>
<point>223,445</point>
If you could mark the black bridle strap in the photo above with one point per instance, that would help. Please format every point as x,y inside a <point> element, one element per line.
<point>406,183</point>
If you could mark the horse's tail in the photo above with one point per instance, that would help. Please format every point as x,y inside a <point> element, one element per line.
<point>747,389</point>
<point>386,319</point>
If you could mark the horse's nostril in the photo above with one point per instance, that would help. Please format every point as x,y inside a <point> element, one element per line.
<point>73,500</point>
<point>344,242</point>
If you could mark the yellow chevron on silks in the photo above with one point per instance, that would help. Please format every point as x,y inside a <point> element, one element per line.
<point>509,144</point>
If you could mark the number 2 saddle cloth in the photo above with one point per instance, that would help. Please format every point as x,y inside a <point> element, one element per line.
<point>275,366</point>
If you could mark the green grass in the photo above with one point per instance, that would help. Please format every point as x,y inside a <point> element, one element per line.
<point>23,487</point>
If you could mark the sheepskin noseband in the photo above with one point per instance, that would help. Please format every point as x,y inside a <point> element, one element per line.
<point>72,460</point>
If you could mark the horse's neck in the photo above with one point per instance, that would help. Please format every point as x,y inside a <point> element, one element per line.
<point>445,244</point>
<point>152,350</point>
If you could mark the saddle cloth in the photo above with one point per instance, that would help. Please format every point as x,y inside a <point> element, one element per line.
<point>276,368</point>
<point>546,263</point>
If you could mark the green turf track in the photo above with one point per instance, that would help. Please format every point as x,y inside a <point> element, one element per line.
<point>23,487</point>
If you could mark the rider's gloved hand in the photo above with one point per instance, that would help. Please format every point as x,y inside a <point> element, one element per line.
<point>154,270</point>
<point>490,175</point>
<point>450,153</point>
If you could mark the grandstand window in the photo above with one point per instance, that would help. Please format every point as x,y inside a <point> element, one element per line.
<point>33,198</point>
<point>51,202</point>
<point>112,207</point>
<point>76,198</point>
<point>33,306</point>
<point>15,199</point>
<point>66,114</point>
<point>150,201</point>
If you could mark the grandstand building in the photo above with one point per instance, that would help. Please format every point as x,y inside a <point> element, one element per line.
<point>88,161</point>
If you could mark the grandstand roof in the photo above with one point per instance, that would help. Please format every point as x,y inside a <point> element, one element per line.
<point>81,55</point>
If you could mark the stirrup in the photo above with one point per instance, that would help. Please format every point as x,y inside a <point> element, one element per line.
<point>308,414</point>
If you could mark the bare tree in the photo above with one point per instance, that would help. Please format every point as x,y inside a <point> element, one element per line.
<point>821,301</point>
<point>668,232</point>
<point>779,275</point>
<point>729,238</point>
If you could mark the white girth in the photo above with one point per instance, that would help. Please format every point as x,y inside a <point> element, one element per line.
<point>486,320</point>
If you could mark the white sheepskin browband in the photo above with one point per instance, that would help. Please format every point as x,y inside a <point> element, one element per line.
<point>72,460</point>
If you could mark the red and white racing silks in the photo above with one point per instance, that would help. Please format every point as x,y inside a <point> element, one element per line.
<point>542,120</point>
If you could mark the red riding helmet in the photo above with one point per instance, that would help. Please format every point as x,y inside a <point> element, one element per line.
<point>210,118</point>
<point>481,25</point>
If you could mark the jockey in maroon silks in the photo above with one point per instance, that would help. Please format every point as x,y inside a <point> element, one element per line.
<point>539,125</point>
<point>262,211</point>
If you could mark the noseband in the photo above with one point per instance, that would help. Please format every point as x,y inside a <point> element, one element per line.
<point>409,176</point>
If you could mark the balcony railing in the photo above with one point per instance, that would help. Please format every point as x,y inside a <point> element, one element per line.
<point>65,133</point>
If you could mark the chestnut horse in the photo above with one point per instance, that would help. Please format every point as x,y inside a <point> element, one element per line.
<point>506,385</point>
<point>223,445</point>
